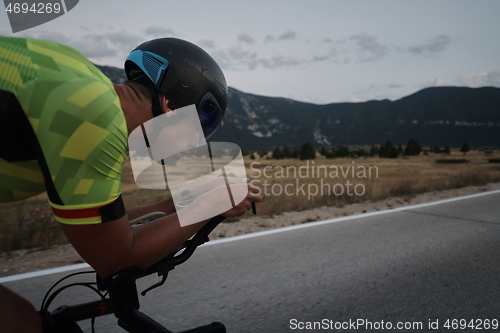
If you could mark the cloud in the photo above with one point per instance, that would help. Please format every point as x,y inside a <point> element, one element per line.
<point>108,44</point>
<point>433,46</point>
<point>94,46</point>
<point>493,78</point>
<point>159,32</point>
<point>368,47</point>
<point>332,53</point>
<point>55,37</point>
<point>271,63</point>
<point>210,44</point>
<point>238,58</point>
<point>123,40</point>
<point>288,35</point>
<point>236,52</point>
<point>222,58</point>
<point>268,38</point>
<point>245,38</point>
<point>250,54</point>
<point>280,61</point>
<point>480,79</point>
<point>101,45</point>
<point>436,82</point>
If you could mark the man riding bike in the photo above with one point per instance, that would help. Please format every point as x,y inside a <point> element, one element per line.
<point>64,129</point>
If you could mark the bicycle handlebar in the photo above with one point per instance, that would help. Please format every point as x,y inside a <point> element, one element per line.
<point>199,238</point>
<point>123,298</point>
<point>123,290</point>
<point>166,264</point>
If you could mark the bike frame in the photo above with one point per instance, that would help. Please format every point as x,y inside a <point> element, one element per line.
<point>122,299</point>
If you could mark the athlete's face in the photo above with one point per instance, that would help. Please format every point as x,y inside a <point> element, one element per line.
<point>180,137</point>
<point>188,136</point>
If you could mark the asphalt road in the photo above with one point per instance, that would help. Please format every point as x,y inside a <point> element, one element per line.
<point>416,267</point>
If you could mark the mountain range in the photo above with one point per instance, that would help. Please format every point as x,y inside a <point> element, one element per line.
<point>437,116</point>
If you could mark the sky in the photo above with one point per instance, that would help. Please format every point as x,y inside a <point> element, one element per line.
<point>313,51</point>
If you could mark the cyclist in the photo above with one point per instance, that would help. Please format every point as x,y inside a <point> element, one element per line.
<point>64,129</point>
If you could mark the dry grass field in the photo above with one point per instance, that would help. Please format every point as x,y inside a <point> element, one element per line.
<point>287,185</point>
<point>342,181</point>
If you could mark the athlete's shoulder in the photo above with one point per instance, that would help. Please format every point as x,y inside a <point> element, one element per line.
<point>52,59</point>
<point>59,58</point>
<point>43,63</point>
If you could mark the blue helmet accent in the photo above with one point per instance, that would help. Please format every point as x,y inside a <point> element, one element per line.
<point>151,64</point>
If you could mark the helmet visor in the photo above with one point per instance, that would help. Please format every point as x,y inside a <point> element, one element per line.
<point>210,118</point>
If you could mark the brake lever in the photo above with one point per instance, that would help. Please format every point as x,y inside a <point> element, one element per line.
<point>156,285</point>
<point>169,263</point>
<point>164,266</point>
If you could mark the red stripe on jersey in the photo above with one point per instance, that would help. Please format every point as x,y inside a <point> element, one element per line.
<point>77,213</point>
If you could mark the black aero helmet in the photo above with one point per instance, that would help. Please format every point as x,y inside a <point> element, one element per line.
<point>185,74</point>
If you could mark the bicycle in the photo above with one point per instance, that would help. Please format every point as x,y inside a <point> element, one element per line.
<point>119,296</point>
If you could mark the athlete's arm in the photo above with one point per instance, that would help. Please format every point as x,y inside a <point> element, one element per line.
<point>112,246</point>
<point>166,206</point>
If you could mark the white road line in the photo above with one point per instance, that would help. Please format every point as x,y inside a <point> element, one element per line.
<point>347,218</point>
<point>43,272</point>
<point>260,233</point>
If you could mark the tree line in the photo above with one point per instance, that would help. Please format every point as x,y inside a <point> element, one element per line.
<point>385,150</point>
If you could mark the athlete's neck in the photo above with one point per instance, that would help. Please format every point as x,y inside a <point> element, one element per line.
<point>133,105</point>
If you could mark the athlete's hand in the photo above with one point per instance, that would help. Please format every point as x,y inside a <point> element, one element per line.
<point>215,183</point>
<point>253,195</point>
<point>210,203</point>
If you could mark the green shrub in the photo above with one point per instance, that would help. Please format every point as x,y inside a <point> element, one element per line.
<point>307,152</point>
<point>36,229</point>
<point>451,161</point>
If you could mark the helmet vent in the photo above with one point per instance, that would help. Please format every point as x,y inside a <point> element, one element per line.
<point>152,66</point>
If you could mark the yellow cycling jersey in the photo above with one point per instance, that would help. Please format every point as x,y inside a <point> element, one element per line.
<point>62,130</point>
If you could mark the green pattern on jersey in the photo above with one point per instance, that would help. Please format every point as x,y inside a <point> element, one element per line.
<point>76,115</point>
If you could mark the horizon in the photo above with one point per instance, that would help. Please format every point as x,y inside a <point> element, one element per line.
<point>333,52</point>
<point>370,100</point>
<point>392,100</point>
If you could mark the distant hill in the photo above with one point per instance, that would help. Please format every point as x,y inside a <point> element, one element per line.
<point>439,116</point>
<point>115,74</point>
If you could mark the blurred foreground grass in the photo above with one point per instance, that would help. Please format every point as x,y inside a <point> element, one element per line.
<point>287,185</point>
